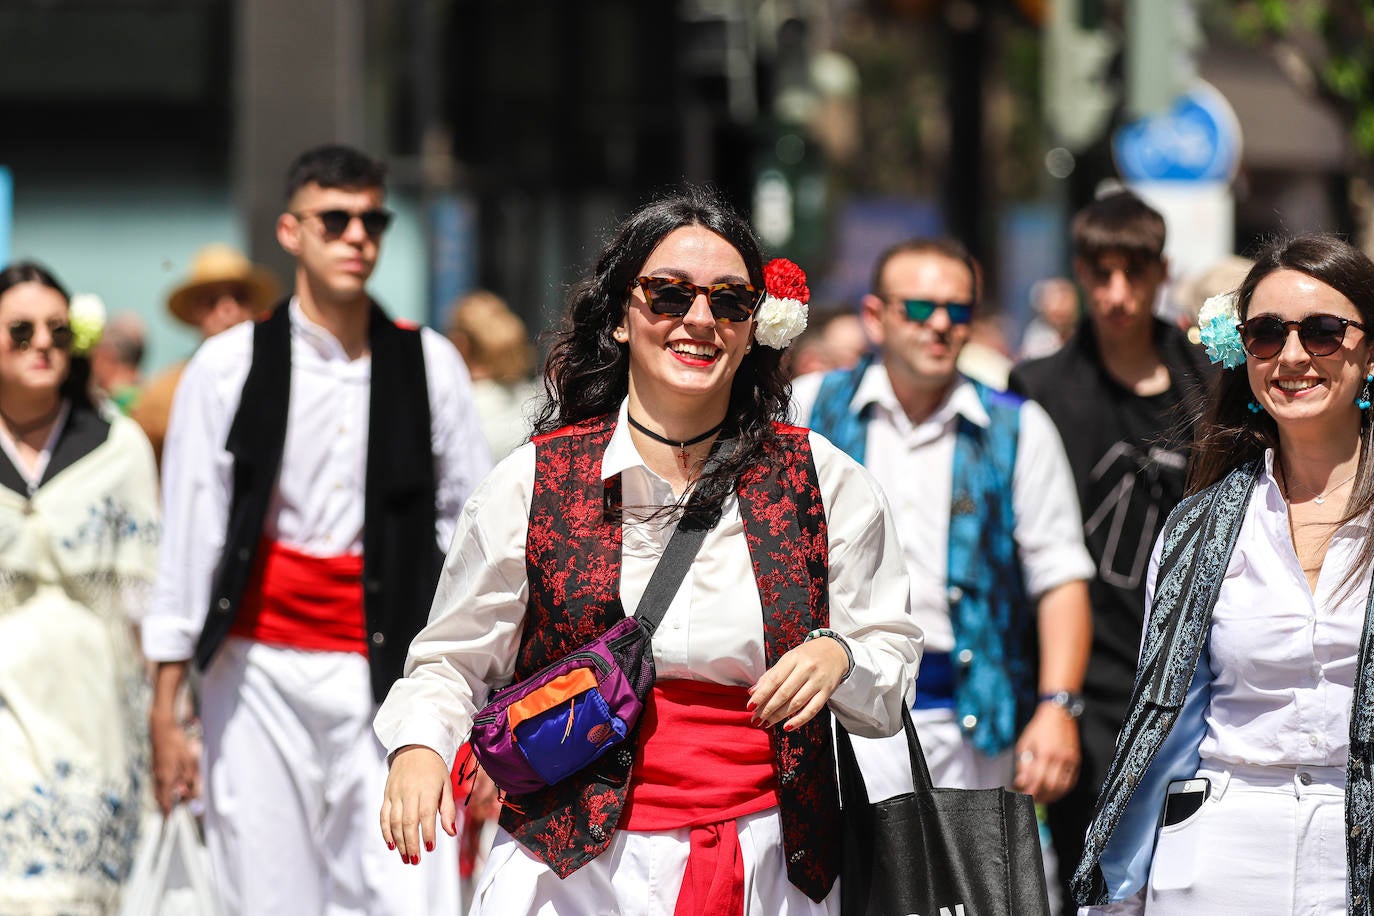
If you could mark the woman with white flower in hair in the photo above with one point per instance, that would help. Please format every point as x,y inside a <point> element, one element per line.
<point>665,385</point>
<point>1241,782</point>
<point>78,541</point>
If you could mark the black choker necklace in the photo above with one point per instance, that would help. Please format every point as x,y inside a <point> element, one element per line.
<point>20,430</point>
<point>680,446</point>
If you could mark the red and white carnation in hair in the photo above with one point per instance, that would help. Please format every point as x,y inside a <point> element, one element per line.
<point>782,316</point>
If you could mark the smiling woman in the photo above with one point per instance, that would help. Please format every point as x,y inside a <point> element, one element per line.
<point>665,408</point>
<point>1235,663</point>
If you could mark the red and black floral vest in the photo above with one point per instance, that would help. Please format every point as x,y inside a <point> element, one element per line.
<point>573,561</point>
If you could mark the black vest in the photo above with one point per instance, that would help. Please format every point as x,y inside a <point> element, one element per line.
<point>401,560</point>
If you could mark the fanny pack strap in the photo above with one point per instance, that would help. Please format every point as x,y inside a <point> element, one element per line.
<point>676,560</point>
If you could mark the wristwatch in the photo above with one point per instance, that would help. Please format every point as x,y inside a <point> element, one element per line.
<point>1071,703</point>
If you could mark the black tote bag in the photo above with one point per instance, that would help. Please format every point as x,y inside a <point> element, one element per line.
<point>937,852</point>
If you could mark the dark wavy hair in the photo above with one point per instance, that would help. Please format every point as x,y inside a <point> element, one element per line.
<point>587,372</point>
<point>76,387</point>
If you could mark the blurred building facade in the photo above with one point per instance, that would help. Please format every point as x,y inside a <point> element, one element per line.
<point>138,130</point>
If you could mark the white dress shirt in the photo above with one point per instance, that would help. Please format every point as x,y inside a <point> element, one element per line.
<point>317,506</point>
<point>915,466</point>
<point>1283,658</point>
<point>713,629</point>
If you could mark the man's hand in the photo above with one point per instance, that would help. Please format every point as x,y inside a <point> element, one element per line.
<point>1047,755</point>
<point>176,759</point>
<point>176,765</point>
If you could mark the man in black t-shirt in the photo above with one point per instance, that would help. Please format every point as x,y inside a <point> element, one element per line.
<point>1123,392</point>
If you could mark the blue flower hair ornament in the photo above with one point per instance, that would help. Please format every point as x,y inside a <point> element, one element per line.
<point>1218,326</point>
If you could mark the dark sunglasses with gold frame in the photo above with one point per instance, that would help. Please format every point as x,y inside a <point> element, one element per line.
<point>22,334</point>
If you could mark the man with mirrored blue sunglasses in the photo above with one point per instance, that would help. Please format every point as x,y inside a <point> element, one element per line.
<point>985,504</point>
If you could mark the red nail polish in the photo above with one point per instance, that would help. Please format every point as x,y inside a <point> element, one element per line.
<point>391,846</point>
<point>429,846</point>
<point>788,728</point>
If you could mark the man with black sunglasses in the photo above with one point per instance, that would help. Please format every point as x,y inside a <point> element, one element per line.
<point>315,466</point>
<point>1119,391</point>
<point>984,501</point>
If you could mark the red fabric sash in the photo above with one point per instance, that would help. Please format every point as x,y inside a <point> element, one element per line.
<point>303,601</point>
<point>701,764</point>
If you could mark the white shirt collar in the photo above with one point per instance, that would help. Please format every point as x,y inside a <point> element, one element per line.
<point>319,337</point>
<point>876,388</point>
<point>620,451</point>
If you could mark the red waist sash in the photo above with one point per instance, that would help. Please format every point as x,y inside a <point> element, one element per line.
<point>304,602</point>
<point>701,764</point>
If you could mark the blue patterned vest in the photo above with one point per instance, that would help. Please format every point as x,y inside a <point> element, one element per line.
<point>996,648</point>
<point>1160,739</point>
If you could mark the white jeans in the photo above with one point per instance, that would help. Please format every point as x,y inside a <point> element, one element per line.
<point>1269,840</point>
<point>293,781</point>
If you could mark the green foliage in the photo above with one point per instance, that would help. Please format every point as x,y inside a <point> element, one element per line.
<point>1336,40</point>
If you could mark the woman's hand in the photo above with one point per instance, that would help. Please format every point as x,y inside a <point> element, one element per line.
<point>417,788</point>
<point>798,686</point>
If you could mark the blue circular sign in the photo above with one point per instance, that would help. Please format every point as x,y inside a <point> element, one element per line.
<point>1197,139</point>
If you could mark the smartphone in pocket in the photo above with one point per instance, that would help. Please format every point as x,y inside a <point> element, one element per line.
<point>1183,799</point>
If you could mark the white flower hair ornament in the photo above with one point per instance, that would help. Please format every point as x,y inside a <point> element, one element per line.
<point>782,316</point>
<point>1218,326</point>
<point>86,313</point>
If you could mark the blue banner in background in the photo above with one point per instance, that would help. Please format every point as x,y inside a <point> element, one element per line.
<point>453,222</point>
<point>6,213</point>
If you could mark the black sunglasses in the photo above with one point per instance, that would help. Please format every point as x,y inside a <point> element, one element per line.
<point>920,310</point>
<point>336,222</point>
<point>21,334</point>
<point>674,297</point>
<point>1320,335</point>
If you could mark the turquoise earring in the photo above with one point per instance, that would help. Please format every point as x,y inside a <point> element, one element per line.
<point>1254,407</point>
<point>1363,400</point>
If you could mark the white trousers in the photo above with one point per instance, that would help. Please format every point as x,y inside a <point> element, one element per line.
<point>954,762</point>
<point>640,874</point>
<point>294,779</point>
<point>1269,841</point>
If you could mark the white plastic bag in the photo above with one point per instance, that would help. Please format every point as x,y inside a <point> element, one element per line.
<point>171,874</point>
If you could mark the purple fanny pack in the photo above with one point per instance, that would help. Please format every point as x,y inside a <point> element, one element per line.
<point>542,729</point>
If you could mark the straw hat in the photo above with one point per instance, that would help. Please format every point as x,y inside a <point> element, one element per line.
<point>219,263</point>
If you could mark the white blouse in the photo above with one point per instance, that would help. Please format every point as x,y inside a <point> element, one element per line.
<point>713,630</point>
<point>1283,658</point>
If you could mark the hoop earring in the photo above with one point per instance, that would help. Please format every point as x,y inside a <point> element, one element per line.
<point>1254,406</point>
<point>1363,400</point>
